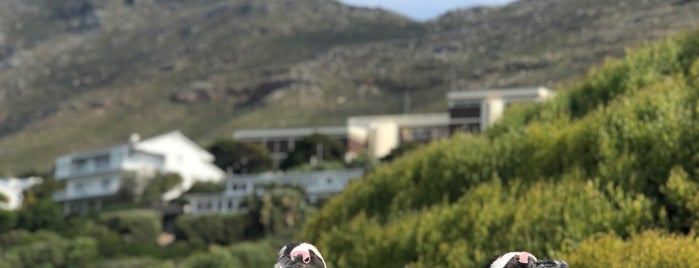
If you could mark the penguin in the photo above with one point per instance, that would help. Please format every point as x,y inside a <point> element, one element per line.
<point>523,260</point>
<point>300,255</point>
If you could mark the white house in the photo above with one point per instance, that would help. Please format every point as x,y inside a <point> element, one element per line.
<point>95,177</point>
<point>13,189</point>
<point>316,185</point>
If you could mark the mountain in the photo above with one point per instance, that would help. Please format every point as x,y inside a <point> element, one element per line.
<point>79,74</point>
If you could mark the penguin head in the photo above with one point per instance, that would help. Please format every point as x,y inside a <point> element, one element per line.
<point>300,255</point>
<point>523,260</point>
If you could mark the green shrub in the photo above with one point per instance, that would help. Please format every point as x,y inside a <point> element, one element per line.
<point>8,220</point>
<point>134,226</point>
<point>159,185</point>
<point>216,258</point>
<point>222,229</point>
<point>651,249</point>
<point>206,187</point>
<point>135,262</point>
<point>50,250</point>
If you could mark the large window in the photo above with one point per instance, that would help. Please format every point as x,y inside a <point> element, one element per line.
<point>102,161</point>
<point>465,110</point>
<point>79,164</point>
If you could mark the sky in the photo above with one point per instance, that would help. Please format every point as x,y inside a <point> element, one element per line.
<point>423,10</point>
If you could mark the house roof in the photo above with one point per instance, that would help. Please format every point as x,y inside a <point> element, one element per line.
<point>520,92</point>
<point>403,120</point>
<point>288,132</point>
<point>177,135</point>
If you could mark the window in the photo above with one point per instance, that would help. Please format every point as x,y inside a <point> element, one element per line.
<point>102,161</point>
<point>106,183</point>
<point>79,164</point>
<point>79,187</point>
<point>462,110</point>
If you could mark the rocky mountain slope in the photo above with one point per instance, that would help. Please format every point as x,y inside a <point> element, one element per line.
<point>78,74</point>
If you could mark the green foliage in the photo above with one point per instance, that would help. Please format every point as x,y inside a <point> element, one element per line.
<point>650,249</point>
<point>614,153</point>
<point>136,227</point>
<point>280,208</point>
<point>43,214</point>
<point>135,262</point>
<point>244,254</point>
<point>400,150</point>
<point>222,229</point>
<point>159,185</point>
<point>241,157</point>
<point>206,187</point>
<point>216,258</point>
<point>3,198</point>
<point>319,146</point>
<point>8,220</point>
<point>50,250</point>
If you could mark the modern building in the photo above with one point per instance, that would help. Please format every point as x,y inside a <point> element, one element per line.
<point>95,177</point>
<point>469,111</point>
<point>13,190</point>
<point>316,185</point>
<point>379,134</point>
<point>475,110</point>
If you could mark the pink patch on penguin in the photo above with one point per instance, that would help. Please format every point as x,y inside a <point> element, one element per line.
<point>303,252</point>
<point>524,257</point>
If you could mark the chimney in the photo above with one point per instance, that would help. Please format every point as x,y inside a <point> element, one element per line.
<point>134,138</point>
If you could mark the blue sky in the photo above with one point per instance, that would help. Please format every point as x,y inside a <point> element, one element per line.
<point>423,9</point>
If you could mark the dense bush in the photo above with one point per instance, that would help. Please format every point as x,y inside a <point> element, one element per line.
<point>258,254</point>
<point>134,226</point>
<point>159,185</point>
<point>330,150</point>
<point>222,229</point>
<point>48,250</point>
<point>42,214</point>
<point>651,249</point>
<point>207,187</point>
<point>240,157</point>
<point>614,153</point>
<point>8,220</point>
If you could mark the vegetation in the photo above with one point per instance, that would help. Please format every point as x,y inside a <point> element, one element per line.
<point>159,185</point>
<point>603,171</point>
<point>314,149</point>
<point>240,157</point>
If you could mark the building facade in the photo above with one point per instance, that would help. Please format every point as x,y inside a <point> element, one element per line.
<point>316,185</point>
<point>475,110</point>
<point>95,177</point>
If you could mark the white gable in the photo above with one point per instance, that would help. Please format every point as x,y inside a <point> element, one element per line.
<point>174,143</point>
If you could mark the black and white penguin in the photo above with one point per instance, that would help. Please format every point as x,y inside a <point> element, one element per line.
<point>523,260</point>
<point>300,255</point>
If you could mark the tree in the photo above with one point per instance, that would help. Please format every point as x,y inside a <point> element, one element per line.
<point>316,146</point>
<point>43,214</point>
<point>241,157</point>
<point>159,185</point>
<point>280,207</point>
<point>400,150</point>
<point>3,198</point>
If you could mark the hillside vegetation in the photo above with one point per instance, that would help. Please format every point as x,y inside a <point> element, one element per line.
<point>80,74</point>
<point>604,175</point>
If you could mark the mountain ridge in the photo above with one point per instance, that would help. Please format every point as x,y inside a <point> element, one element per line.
<point>207,68</point>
